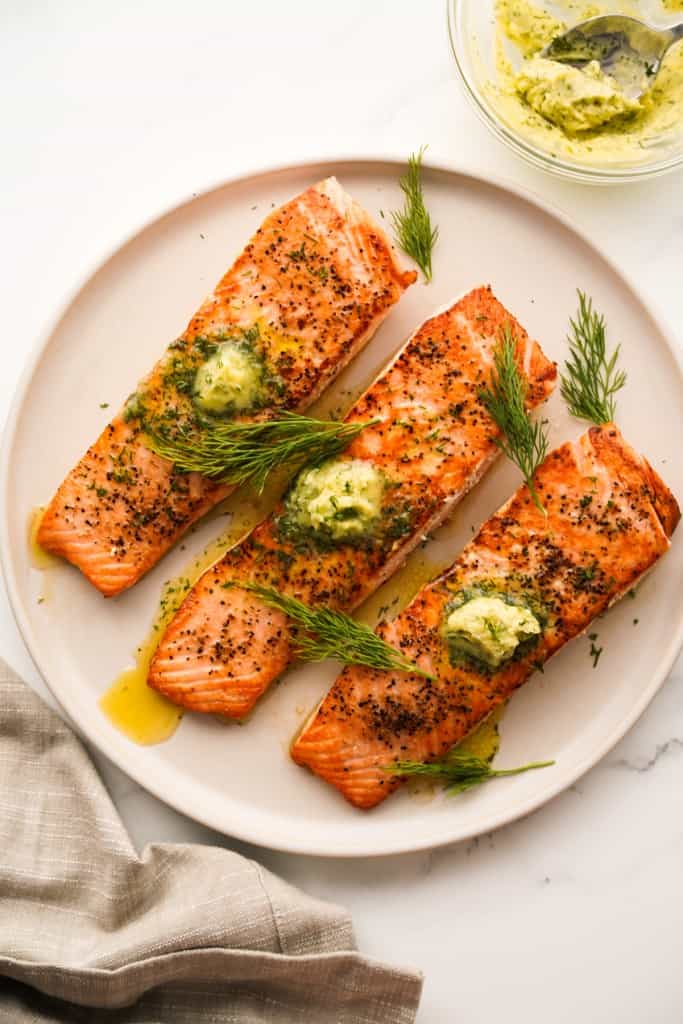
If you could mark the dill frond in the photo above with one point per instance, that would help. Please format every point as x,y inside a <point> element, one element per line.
<point>460,772</point>
<point>412,225</point>
<point>234,453</point>
<point>323,633</point>
<point>591,378</point>
<point>524,441</point>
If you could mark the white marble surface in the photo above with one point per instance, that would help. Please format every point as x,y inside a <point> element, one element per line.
<point>113,111</point>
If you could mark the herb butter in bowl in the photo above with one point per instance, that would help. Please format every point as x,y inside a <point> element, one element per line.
<point>573,121</point>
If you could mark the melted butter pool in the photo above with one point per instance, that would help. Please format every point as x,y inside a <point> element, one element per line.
<point>40,558</point>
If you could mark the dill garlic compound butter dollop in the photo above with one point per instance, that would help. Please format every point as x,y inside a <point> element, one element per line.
<point>340,499</point>
<point>576,100</point>
<point>230,380</point>
<point>490,629</point>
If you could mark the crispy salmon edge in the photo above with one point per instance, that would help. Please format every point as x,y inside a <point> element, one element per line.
<point>664,502</point>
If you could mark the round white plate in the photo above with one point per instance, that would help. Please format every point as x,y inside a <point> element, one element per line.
<point>239,779</point>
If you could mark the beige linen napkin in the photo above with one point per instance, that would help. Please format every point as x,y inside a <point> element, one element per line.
<point>90,931</point>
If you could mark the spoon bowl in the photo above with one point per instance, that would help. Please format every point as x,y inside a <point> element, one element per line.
<point>627,49</point>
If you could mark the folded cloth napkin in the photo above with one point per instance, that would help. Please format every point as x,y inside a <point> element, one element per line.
<point>90,931</point>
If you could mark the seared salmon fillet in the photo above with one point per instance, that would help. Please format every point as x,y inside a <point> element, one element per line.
<point>429,443</point>
<point>305,295</point>
<point>609,518</point>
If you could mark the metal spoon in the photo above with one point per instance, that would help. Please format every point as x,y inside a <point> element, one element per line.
<point>627,49</point>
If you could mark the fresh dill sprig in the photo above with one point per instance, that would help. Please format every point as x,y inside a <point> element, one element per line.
<point>413,225</point>
<point>524,441</point>
<point>329,634</point>
<point>234,453</point>
<point>591,377</point>
<point>460,772</point>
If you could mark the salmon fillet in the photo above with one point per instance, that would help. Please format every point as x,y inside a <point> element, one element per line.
<point>307,293</point>
<point>432,442</point>
<point>609,519</point>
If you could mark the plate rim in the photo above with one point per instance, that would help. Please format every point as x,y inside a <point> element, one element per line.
<point>424,841</point>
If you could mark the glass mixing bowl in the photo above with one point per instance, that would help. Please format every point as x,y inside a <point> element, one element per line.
<point>472,30</point>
